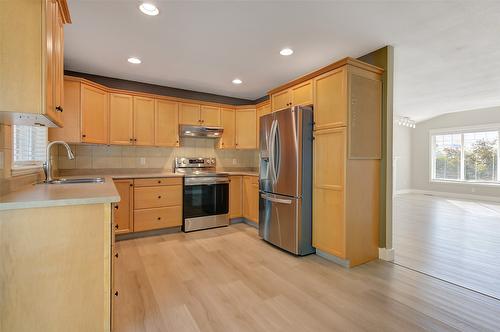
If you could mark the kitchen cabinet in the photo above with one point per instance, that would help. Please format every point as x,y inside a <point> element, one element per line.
<point>157,203</point>
<point>246,128</point>
<point>251,198</point>
<point>123,210</point>
<point>197,115</point>
<point>94,115</point>
<point>166,123</point>
<point>32,61</point>
<point>210,116</point>
<point>346,171</point>
<point>144,121</point>
<point>71,131</point>
<point>235,196</point>
<point>56,272</point>
<point>262,109</point>
<point>228,139</point>
<point>121,119</point>
<point>298,95</point>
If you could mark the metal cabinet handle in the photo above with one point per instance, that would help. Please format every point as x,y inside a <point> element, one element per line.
<point>59,109</point>
<point>159,197</point>
<point>159,181</point>
<point>116,207</point>
<point>159,218</point>
<point>116,226</point>
<point>116,293</point>
<point>83,135</point>
<point>116,255</point>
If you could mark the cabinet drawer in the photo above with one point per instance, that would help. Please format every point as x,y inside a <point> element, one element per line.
<point>157,182</point>
<point>148,219</point>
<point>153,197</point>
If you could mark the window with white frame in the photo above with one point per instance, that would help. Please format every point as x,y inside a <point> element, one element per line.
<point>466,155</point>
<point>29,145</point>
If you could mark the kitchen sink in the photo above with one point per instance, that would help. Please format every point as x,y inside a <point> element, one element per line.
<point>75,180</point>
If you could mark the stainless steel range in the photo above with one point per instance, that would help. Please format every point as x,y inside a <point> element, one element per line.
<point>206,194</point>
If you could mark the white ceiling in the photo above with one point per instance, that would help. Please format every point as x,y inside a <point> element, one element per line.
<point>447,54</point>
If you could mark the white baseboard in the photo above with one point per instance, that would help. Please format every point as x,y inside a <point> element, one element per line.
<point>386,254</point>
<point>403,191</point>
<point>448,194</point>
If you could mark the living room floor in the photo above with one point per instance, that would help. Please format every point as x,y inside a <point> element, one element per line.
<point>227,279</point>
<point>452,239</point>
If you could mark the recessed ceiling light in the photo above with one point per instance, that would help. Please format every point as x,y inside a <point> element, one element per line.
<point>237,81</point>
<point>286,51</point>
<point>149,9</point>
<point>134,60</point>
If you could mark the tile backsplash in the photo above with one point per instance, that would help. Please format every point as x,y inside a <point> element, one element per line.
<point>103,156</point>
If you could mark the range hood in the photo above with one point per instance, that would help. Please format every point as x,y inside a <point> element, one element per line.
<point>200,131</point>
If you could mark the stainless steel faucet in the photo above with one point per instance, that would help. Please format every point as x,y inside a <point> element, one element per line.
<point>47,164</point>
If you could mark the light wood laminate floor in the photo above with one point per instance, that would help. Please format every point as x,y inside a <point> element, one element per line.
<point>452,239</point>
<point>227,279</point>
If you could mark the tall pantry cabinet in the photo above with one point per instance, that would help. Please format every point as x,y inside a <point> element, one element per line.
<point>347,153</point>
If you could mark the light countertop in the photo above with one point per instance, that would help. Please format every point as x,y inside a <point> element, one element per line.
<point>46,195</point>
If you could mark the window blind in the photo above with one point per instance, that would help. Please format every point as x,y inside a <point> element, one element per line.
<point>29,146</point>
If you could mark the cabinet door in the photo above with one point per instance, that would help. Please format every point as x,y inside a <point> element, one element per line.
<point>280,100</point>
<point>210,116</point>
<point>251,198</point>
<point>71,116</point>
<point>302,94</point>
<point>246,129</point>
<point>189,114</point>
<point>235,197</point>
<point>144,121</point>
<point>123,209</point>
<point>94,108</point>
<point>121,119</point>
<point>58,64</point>
<point>261,111</point>
<point>330,99</point>
<point>166,123</point>
<point>50,60</point>
<point>329,229</point>
<point>228,123</point>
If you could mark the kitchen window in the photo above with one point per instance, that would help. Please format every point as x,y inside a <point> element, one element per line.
<point>29,144</point>
<point>467,155</point>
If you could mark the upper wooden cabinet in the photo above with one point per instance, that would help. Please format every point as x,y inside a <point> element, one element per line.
<point>330,99</point>
<point>32,61</point>
<point>166,123</point>
<point>262,109</point>
<point>71,131</point>
<point>210,116</point>
<point>144,121</point>
<point>121,119</point>
<point>246,128</point>
<point>197,115</point>
<point>228,139</point>
<point>189,114</point>
<point>300,94</point>
<point>94,115</point>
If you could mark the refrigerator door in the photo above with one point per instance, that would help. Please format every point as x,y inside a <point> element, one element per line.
<point>265,176</point>
<point>279,218</point>
<point>280,152</point>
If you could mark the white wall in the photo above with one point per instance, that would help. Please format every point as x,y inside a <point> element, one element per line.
<point>402,158</point>
<point>420,177</point>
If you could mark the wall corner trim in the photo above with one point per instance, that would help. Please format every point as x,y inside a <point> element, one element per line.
<point>386,254</point>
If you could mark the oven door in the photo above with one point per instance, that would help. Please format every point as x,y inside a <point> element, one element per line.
<point>205,197</point>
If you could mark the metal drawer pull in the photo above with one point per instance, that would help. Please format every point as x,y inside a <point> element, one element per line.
<point>159,197</point>
<point>116,293</point>
<point>116,255</point>
<point>116,226</point>
<point>159,218</point>
<point>276,200</point>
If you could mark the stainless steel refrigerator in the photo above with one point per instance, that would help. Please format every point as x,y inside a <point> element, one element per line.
<point>285,179</point>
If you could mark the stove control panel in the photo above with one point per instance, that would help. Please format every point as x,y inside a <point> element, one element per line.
<point>184,162</point>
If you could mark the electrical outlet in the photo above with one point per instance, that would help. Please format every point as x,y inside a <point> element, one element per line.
<point>235,161</point>
<point>142,160</point>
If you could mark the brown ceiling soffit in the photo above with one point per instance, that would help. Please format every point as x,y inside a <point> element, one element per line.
<point>335,65</point>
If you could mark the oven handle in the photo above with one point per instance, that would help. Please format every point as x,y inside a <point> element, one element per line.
<point>205,182</point>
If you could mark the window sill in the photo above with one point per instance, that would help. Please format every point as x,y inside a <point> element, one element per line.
<point>468,183</point>
<point>25,170</point>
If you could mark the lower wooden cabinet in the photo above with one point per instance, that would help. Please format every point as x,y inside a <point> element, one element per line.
<point>148,219</point>
<point>235,197</point>
<point>251,198</point>
<point>123,209</point>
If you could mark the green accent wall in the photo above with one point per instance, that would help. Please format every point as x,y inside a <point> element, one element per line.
<point>384,58</point>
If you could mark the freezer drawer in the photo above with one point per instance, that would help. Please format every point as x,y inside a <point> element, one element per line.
<point>279,217</point>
